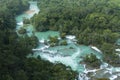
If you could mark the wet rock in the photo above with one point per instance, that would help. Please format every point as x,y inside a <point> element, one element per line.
<point>22,31</point>
<point>118,78</point>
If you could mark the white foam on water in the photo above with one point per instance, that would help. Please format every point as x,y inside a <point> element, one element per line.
<point>42,48</point>
<point>20,23</point>
<point>95,48</point>
<point>68,61</point>
<point>42,40</point>
<point>113,77</point>
<point>104,65</point>
<point>87,71</point>
<point>118,50</point>
<point>36,49</point>
<point>34,7</point>
<point>116,69</point>
<point>82,76</point>
<point>54,57</point>
<point>70,37</point>
<point>76,54</point>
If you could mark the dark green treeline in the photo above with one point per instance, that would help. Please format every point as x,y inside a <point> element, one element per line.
<point>13,50</point>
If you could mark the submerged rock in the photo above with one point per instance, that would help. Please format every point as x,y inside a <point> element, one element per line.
<point>22,31</point>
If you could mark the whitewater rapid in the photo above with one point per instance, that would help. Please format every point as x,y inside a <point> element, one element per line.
<point>74,60</point>
<point>55,57</point>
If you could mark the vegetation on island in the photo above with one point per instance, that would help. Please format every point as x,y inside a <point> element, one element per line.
<point>54,41</point>
<point>92,60</point>
<point>26,21</point>
<point>64,42</point>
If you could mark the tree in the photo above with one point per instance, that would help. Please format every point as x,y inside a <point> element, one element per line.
<point>92,60</point>
<point>21,75</point>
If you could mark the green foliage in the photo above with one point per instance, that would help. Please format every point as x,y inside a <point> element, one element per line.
<point>110,55</point>
<point>62,35</point>
<point>21,75</point>
<point>8,10</point>
<point>14,7</point>
<point>63,42</point>
<point>26,21</point>
<point>92,60</point>
<point>53,41</point>
<point>103,79</point>
<point>38,69</point>
<point>108,48</point>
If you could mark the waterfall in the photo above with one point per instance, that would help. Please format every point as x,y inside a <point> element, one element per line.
<point>33,6</point>
<point>76,54</point>
<point>82,76</point>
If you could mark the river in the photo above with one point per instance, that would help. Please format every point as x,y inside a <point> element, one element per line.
<point>63,54</point>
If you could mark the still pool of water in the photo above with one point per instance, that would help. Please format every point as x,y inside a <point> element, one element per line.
<point>45,35</point>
